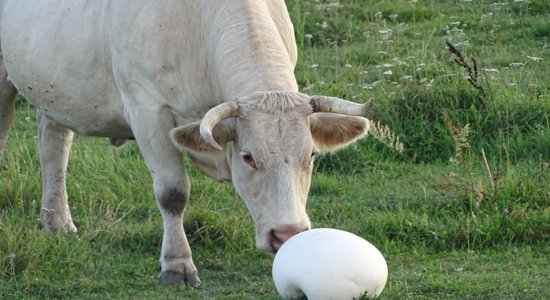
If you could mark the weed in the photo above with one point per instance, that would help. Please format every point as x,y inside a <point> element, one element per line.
<point>384,134</point>
<point>471,68</point>
<point>460,136</point>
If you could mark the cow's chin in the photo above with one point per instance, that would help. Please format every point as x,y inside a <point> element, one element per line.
<point>262,244</point>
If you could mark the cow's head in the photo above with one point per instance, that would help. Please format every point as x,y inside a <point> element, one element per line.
<point>265,144</point>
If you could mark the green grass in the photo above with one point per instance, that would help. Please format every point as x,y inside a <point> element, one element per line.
<point>445,231</point>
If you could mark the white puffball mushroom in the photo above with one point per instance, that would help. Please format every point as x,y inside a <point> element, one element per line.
<point>327,263</point>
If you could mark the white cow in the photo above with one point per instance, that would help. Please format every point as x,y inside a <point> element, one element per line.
<point>211,78</point>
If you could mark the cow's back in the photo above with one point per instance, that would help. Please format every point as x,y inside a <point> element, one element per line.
<point>86,63</point>
<point>57,54</point>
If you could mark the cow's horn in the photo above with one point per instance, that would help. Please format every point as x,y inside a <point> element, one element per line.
<point>339,106</point>
<point>212,117</point>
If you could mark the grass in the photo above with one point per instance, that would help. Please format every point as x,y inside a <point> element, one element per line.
<point>448,230</point>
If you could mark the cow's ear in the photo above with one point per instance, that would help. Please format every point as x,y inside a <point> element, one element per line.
<point>331,131</point>
<point>187,138</point>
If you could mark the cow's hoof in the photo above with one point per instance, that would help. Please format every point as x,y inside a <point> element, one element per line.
<point>49,228</point>
<point>175,278</point>
<point>193,280</point>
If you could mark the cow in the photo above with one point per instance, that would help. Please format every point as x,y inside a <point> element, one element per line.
<point>211,79</point>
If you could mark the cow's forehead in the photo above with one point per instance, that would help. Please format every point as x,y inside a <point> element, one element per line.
<point>274,103</point>
<point>287,133</point>
<point>275,123</point>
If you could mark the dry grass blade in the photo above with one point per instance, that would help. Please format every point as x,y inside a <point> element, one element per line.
<point>480,193</point>
<point>488,170</point>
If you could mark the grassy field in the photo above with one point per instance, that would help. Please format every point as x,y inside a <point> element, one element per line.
<point>453,223</point>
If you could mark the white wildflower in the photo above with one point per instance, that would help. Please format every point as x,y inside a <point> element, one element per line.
<point>384,66</point>
<point>371,86</point>
<point>330,5</point>
<point>534,58</point>
<point>324,25</point>
<point>464,43</point>
<point>308,87</point>
<point>308,36</point>
<point>314,66</point>
<point>429,84</point>
<point>407,78</point>
<point>388,73</point>
<point>497,6</point>
<point>490,70</point>
<point>517,65</point>
<point>385,34</point>
<point>398,62</point>
<point>347,66</point>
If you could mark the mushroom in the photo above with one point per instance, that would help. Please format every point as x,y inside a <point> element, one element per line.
<point>327,263</point>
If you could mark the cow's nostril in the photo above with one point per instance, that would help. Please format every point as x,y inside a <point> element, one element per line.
<point>278,236</point>
<point>274,241</point>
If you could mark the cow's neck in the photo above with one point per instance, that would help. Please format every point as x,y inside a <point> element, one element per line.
<point>249,53</point>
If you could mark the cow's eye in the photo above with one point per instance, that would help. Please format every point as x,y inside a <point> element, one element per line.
<point>248,159</point>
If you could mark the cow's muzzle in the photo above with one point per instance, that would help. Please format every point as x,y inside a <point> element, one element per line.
<point>278,236</point>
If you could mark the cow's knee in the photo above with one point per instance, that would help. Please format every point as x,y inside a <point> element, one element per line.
<point>173,200</point>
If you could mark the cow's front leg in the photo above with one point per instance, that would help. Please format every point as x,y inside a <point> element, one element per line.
<point>171,186</point>
<point>54,144</point>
